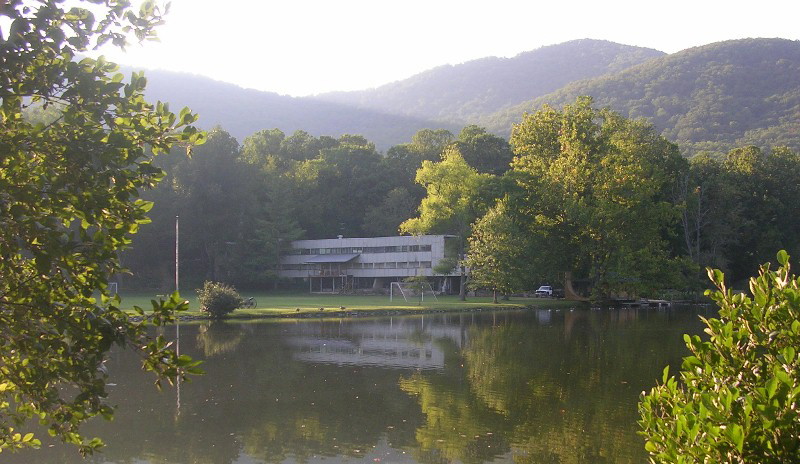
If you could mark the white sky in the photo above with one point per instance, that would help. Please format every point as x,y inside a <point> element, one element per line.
<point>303,47</point>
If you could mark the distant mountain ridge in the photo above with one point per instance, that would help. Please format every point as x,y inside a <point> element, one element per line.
<point>243,112</point>
<point>713,97</point>
<point>461,93</point>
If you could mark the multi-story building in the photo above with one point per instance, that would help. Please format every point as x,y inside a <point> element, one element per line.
<point>342,264</point>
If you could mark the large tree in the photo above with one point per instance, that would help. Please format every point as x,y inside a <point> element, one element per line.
<point>595,194</point>
<point>456,198</point>
<point>484,151</point>
<point>495,259</point>
<point>68,203</point>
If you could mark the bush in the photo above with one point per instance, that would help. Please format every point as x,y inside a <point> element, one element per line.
<point>738,397</point>
<point>218,299</point>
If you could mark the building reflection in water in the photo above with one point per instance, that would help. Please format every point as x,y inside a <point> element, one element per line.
<point>404,343</point>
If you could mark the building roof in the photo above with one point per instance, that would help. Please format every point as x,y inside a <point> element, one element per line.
<point>368,241</point>
<point>332,258</point>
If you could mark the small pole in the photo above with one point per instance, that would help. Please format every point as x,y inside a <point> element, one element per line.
<point>177,321</point>
<point>177,256</point>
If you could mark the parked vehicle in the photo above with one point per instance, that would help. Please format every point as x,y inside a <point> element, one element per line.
<point>544,291</point>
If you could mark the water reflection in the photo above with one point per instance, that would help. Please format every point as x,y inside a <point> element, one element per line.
<point>404,343</point>
<point>219,337</point>
<point>536,386</point>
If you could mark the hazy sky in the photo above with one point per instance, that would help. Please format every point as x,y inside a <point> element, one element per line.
<point>303,47</point>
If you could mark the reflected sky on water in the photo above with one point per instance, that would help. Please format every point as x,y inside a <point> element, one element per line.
<point>532,386</point>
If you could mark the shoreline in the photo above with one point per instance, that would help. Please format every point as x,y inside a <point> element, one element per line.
<point>356,313</point>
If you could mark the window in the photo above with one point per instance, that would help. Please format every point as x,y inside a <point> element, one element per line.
<point>424,248</point>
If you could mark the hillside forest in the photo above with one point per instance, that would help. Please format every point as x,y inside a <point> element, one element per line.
<point>711,98</point>
<point>675,163</point>
<point>575,189</point>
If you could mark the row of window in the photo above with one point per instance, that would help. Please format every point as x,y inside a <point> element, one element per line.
<point>390,265</point>
<point>356,250</point>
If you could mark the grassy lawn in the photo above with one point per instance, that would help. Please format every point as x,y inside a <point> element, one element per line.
<point>283,303</point>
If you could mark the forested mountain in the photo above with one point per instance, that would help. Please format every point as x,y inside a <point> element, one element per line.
<point>462,93</point>
<point>713,97</point>
<point>447,97</point>
<point>243,112</point>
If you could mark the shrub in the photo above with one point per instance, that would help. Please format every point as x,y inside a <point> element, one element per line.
<point>218,299</point>
<point>738,396</point>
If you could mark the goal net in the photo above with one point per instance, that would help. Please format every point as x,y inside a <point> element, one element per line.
<point>411,291</point>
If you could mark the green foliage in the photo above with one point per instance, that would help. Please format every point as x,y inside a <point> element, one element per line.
<point>218,299</point>
<point>467,91</point>
<point>333,189</point>
<point>710,98</point>
<point>456,197</point>
<point>385,218</point>
<point>69,186</point>
<point>495,257</point>
<point>417,284</point>
<point>737,396</point>
<point>594,196</point>
<point>737,208</point>
<point>222,206</point>
<point>453,199</point>
<point>429,144</point>
<point>485,152</point>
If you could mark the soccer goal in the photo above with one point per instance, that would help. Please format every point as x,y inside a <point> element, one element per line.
<point>415,291</point>
<point>113,288</point>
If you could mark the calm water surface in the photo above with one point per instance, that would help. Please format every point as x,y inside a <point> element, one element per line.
<point>527,386</point>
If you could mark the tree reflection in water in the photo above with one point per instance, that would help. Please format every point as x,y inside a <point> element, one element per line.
<point>555,386</point>
<point>218,337</point>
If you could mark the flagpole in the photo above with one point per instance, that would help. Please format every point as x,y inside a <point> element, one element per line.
<point>177,320</point>
<point>177,250</point>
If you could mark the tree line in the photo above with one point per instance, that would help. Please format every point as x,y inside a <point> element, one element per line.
<point>577,190</point>
<point>240,205</point>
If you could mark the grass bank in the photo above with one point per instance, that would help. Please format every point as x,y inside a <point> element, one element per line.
<point>305,305</point>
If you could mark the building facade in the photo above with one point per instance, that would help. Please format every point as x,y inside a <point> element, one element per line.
<point>356,264</point>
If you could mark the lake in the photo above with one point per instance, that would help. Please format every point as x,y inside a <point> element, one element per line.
<point>536,386</point>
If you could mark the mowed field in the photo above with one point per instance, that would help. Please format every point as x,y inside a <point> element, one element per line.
<point>268,303</point>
